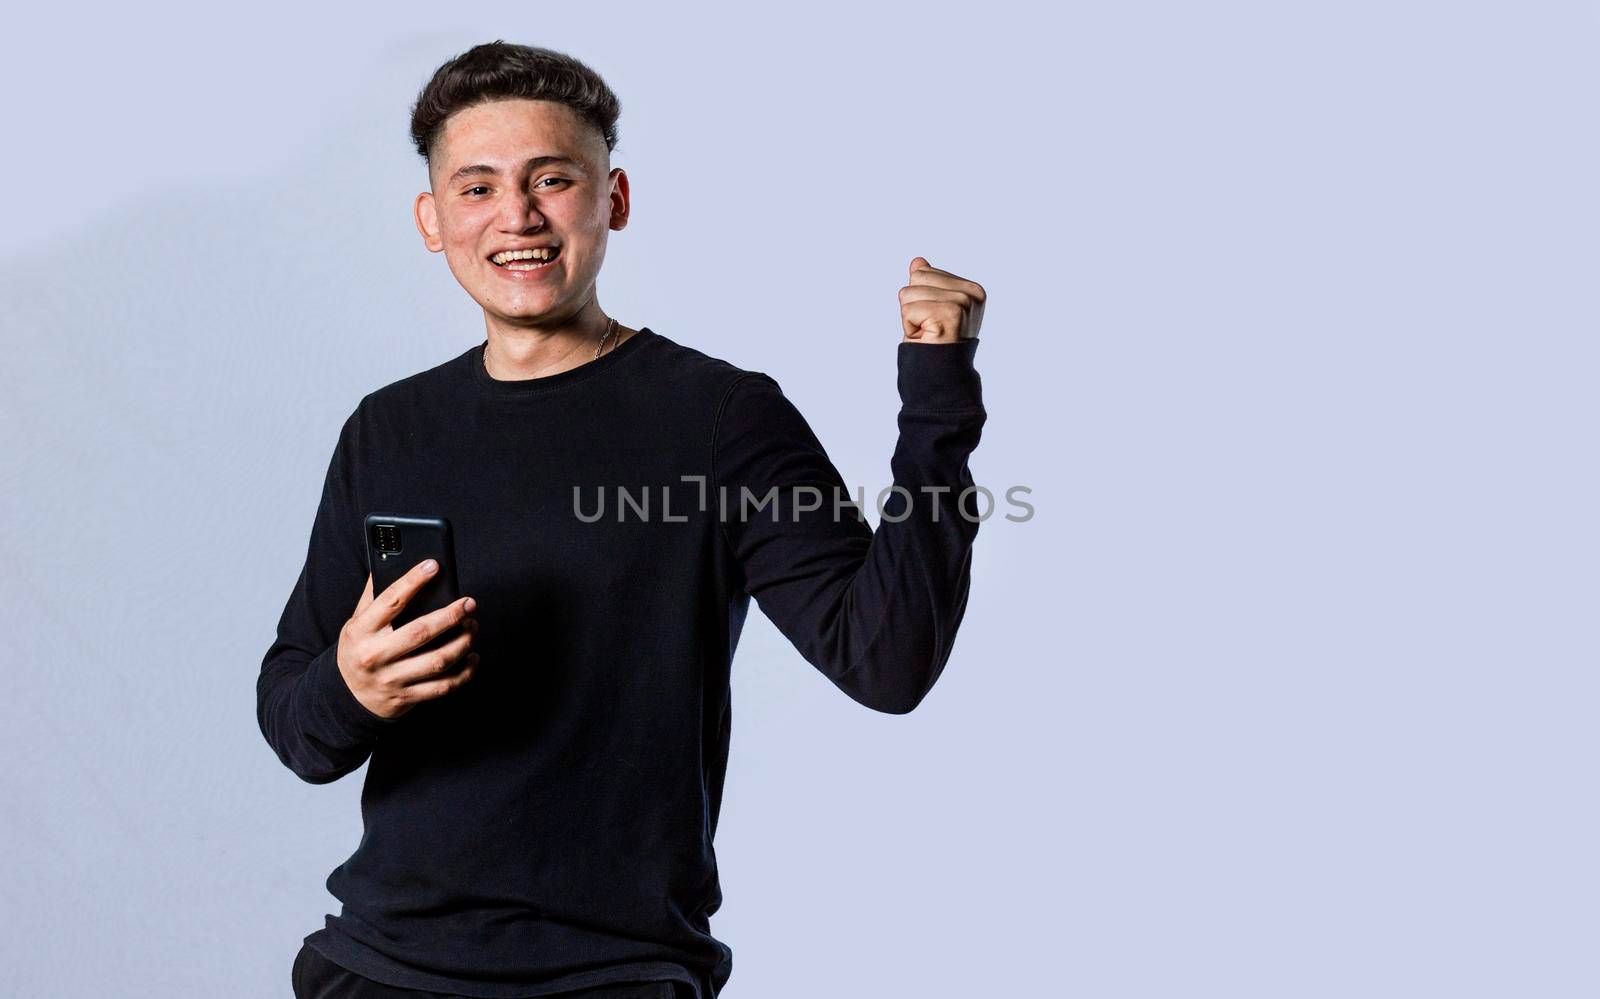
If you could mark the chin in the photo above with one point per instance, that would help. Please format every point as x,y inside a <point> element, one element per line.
<point>523,309</point>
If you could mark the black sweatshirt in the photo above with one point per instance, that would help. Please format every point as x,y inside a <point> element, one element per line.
<point>548,826</point>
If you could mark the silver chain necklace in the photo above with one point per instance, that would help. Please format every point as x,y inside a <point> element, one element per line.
<point>611,327</point>
<point>609,330</point>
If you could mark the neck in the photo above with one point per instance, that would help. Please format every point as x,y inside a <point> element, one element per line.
<point>515,353</point>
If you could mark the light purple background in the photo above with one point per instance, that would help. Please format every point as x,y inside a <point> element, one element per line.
<point>1288,687</point>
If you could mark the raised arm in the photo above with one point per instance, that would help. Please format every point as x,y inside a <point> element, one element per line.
<point>875,612</point>
<point>306,710</point>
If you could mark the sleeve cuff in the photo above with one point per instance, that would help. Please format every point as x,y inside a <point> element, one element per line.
<point>334,700</point>
<point>940,376</point>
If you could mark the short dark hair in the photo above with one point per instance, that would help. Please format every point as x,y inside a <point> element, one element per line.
<point>500,70</point>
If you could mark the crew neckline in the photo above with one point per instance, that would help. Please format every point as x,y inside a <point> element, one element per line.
<point>547,383</point>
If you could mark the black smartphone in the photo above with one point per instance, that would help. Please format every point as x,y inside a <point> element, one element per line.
<point>395,544</point>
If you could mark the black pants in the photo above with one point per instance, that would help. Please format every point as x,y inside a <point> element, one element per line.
<point>316,977</point>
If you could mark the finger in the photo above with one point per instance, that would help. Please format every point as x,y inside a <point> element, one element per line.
<point>428,690</point>
<point>912,293</point>
<point>932,277</point>
<point>929,293</point>
<point>386,605</point>
<point>417,633</point>
<point>925,271</point>
<point>432,664</point>
<point>909,328</point>
<point>932,321</point>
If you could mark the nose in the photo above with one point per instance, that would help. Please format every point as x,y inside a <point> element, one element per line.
<point>519,213</point>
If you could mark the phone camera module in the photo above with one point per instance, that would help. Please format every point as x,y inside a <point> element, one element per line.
<point>387,537</point>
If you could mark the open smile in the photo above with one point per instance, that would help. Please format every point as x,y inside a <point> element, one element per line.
<point>522,264</point>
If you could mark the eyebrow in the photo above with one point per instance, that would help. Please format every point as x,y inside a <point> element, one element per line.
<point>477,169</point>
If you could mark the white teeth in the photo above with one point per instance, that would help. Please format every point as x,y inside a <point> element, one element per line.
<point>543,253</point>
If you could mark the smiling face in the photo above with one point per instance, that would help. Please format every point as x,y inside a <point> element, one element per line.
<point>516,174</point>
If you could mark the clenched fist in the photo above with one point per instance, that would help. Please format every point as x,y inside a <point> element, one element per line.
<point>939,307</point>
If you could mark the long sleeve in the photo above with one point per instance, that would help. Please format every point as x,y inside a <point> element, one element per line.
<point>875,612</point>
<point>308,714</point>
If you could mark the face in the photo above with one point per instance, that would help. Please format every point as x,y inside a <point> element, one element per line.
<point>516,174</point>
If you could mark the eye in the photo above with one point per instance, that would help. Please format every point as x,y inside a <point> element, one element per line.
<point>558,180</point>
<point>480,187</point>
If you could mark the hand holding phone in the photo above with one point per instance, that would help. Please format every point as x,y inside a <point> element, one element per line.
<point>386,667</point>
<point>396,542</point>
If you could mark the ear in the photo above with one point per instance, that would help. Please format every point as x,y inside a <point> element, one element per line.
<point>619,199</point>
<point>426,214</point>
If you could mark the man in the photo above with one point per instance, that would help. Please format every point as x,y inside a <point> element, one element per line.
<point>544,788</point>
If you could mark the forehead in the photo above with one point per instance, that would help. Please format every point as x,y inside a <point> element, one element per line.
<point>506,133</point>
